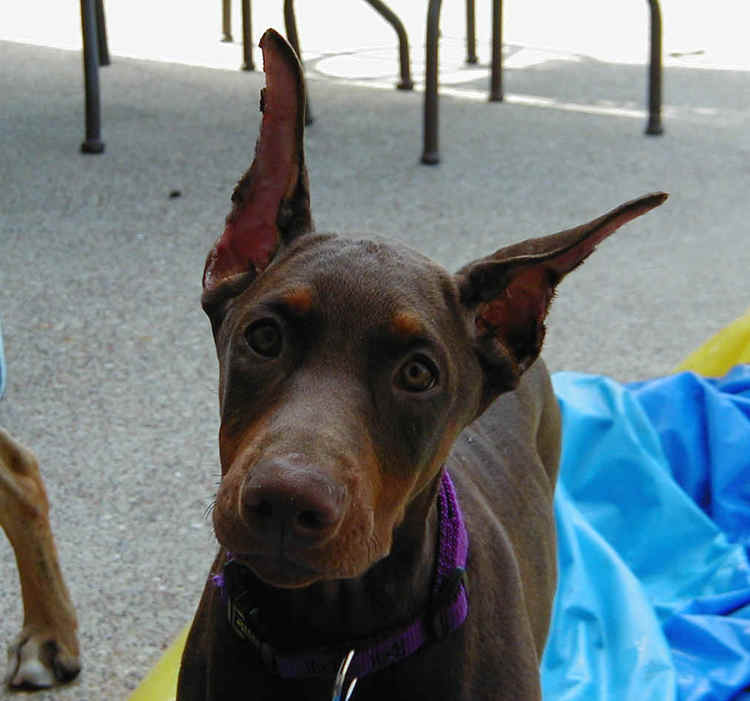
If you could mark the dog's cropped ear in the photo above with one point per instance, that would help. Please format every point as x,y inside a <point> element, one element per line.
<point>508,293</point>
<point>271,203</point>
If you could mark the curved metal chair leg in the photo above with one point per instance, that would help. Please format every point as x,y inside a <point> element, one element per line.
<point>93,142</point>
<point>247,37</point>
<point>226,20</point>
<point>291,32</point>
<point>431,154</point>
<point>403,41</point>
<point>496,78</point>
<point>654,125</point>
<point>471,33</point>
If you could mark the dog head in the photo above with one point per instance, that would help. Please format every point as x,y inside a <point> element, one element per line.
<point>349,367</point>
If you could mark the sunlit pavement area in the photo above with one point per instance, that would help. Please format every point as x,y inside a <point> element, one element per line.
<point>111,368</point>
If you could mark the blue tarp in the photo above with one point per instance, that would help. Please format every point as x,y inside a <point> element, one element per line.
<point>653,516</point>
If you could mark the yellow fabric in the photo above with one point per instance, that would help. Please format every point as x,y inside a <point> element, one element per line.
<point>161,682</point>
<point>718,355</point>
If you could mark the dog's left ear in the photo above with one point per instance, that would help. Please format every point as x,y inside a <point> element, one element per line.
<point>271,203</point>
<point>508,293</point>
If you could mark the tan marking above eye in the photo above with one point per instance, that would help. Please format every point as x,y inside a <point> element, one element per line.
<point>405,324</point>
<point>299,300</point>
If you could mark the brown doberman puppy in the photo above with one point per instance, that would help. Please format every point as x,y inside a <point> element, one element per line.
<point>389,446</point>
<point>46,650</point>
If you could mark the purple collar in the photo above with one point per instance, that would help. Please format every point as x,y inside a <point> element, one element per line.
<point>447,611</point>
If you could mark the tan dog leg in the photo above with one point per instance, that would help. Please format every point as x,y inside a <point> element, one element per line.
<point>46,650</point>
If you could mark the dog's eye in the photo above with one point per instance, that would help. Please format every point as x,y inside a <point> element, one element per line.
<point>264,337</point>
<point>418,375</point>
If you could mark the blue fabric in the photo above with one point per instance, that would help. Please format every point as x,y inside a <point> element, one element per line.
<point>653,516</point>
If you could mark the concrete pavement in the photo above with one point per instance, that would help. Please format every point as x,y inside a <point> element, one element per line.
<point>111,372</point>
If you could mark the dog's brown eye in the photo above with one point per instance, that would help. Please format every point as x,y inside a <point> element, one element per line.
<point>418,375</point>
<point>264,337</point>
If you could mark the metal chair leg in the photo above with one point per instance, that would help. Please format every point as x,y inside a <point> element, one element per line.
<point>93,142</point>
<point>226,20</point>
<point>471,33</point>
<point>496,78</point>
<point>101,34</point>
<point>654,125</point>
<point>247,37</point>
<point>431,154</point>
<point>403,41</point>
<point>291,32</point>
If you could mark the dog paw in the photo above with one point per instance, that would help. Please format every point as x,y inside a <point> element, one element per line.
<point>37,661</point>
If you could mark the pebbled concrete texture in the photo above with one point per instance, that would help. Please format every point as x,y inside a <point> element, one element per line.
<point>111,368</point>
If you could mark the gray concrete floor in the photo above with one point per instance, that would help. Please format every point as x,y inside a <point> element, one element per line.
<point>111,368</point>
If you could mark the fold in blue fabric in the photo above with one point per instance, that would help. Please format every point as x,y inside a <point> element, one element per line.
<point>653,517</point>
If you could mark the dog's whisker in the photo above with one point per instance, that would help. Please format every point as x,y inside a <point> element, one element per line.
<point>209,509</point>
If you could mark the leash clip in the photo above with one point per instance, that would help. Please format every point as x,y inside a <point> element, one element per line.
<point>338,686</point>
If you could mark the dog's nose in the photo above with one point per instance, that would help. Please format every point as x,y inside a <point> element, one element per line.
<point>293,501</point>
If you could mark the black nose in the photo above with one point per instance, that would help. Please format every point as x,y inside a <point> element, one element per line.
<point>293,501</point>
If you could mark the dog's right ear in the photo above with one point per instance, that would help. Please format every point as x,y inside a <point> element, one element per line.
<point>271,203</point>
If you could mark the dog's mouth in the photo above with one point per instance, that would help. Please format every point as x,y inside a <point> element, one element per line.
<point>278,570</point>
